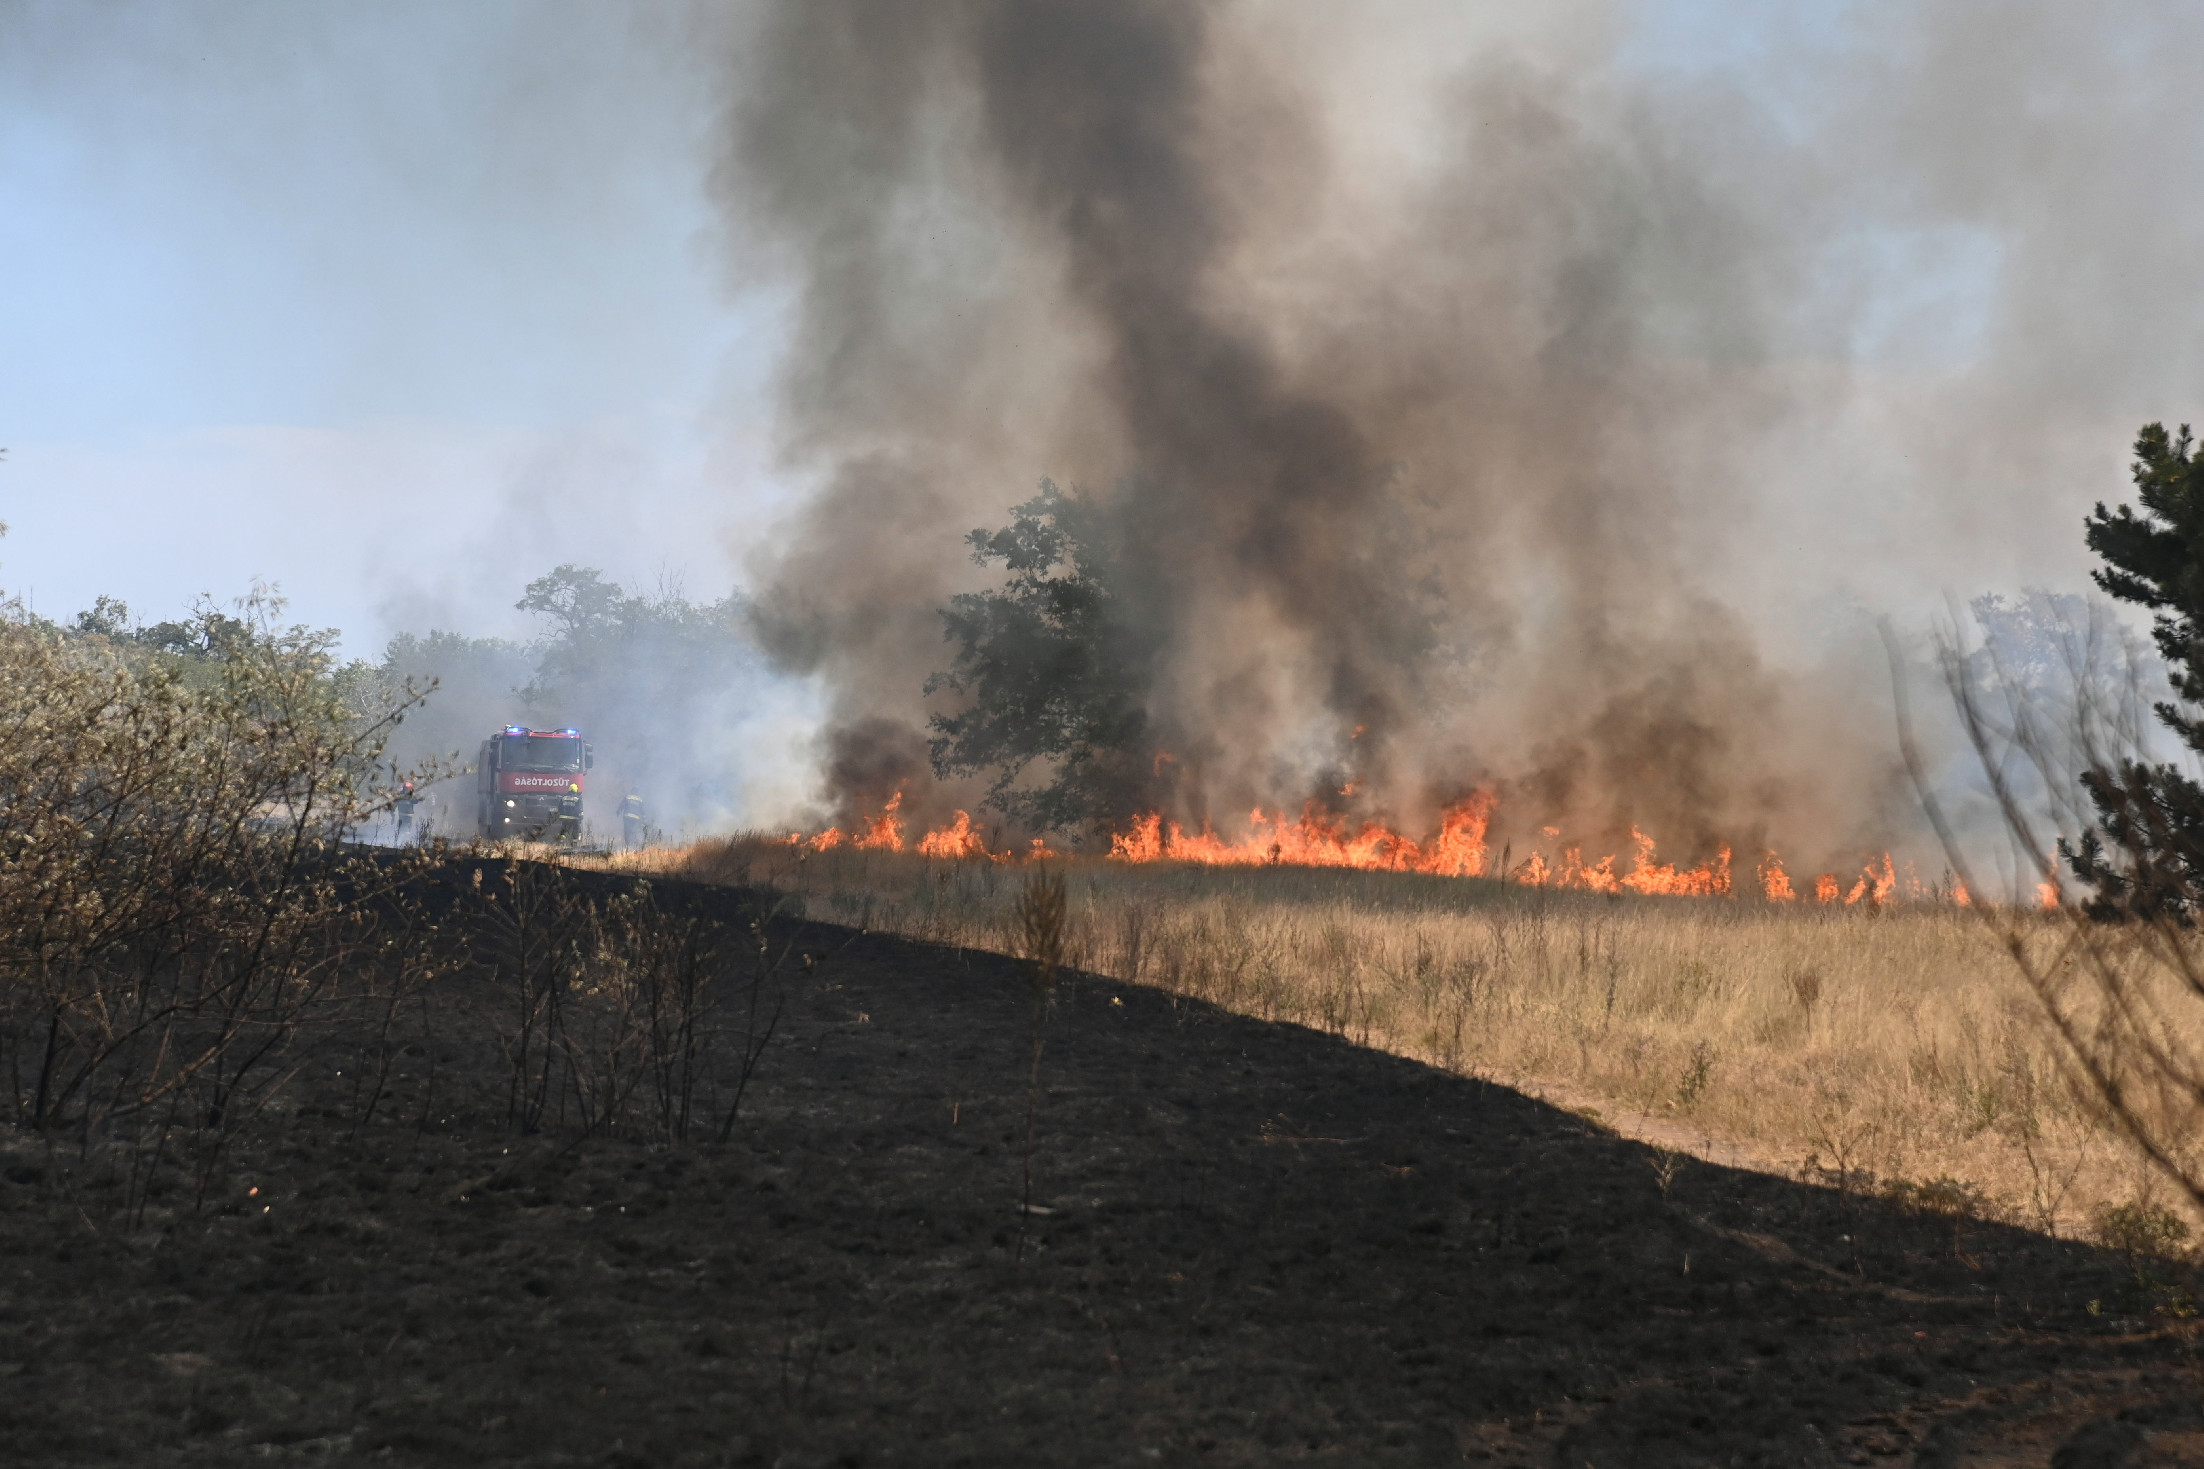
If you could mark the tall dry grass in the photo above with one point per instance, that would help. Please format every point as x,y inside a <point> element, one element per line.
<point>1850,1043</point>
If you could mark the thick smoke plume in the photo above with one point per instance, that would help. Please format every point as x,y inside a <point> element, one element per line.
<point>1475,406</point>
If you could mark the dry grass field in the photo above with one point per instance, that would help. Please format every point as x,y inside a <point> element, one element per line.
<point>1895,1050</point>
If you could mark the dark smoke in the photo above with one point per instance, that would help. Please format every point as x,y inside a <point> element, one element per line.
<point>1450,453</point>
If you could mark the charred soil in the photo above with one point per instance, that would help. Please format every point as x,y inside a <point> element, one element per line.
<point>1251,1244</point>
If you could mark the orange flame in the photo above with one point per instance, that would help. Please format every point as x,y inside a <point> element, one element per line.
<point>885,831</point>
<point>955,840</point>
<point>1775,883</point>
<point>1876,887</point>
<point>1323,838</point>
<point>1318,839</point>
<point>1709,880</point>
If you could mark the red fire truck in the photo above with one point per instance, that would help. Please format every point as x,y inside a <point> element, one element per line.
<point>529,783</point>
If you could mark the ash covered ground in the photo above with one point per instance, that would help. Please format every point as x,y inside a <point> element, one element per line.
<point>1262,1245</point>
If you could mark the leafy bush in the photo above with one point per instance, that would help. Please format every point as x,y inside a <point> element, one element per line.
<point>2140,1229</point>
<point>174,887</point>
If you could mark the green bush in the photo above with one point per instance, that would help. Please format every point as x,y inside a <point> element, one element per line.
<point>175,884</point>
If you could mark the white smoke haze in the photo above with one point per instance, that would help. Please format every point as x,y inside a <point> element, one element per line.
<point>1556,408</point>
<point>669,691</point>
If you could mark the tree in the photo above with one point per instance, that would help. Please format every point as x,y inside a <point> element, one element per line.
<point>2147,855</point>
<point>1053,672</point>
<point>109,617</point>
<point>2126,997</point>
<point>578,600</point>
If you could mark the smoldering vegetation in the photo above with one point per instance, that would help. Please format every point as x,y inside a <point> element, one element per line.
<point>1452,401</point>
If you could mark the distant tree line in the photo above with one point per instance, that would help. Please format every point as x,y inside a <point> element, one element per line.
<point>659,683</point>
<point>655,680</point>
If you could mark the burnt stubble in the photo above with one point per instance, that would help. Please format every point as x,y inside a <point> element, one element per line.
<point>1260,1245</point>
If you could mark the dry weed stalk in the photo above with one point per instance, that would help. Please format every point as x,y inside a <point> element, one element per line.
<point>618,1015</point>
<point>1040,915</point>
<point>2123,991</point>
<point>176,898</point>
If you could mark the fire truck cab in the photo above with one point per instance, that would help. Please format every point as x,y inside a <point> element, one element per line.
<point>528,783</point>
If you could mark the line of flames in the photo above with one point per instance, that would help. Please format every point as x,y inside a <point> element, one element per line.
<point>1320,838</point>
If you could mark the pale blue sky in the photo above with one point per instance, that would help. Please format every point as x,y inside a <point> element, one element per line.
<point>392,304</point>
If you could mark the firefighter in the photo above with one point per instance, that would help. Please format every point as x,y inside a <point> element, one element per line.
<point>570,813</point>
<point>631,820</point>
<point>406,804</point>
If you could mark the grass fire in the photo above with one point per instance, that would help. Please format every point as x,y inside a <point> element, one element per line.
<point>1322,839</point>
<point>1109,733</point>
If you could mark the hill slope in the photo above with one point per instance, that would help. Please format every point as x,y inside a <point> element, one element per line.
<point>1262,1246</point>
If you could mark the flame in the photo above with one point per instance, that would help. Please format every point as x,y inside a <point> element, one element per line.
<point>1572,873</point>
<point>1775,883</point>
<point>955,840</point>
<point>885,831</point>
<point>1886,882</point>
<point>1876,887</point>
<point>1320,837</point>
<point>1650,875</point>
<point>1323,839</point>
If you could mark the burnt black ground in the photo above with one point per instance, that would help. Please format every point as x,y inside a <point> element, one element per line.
<point>1264,1246</point>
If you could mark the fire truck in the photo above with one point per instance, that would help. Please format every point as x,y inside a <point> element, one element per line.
<point>528,783</point>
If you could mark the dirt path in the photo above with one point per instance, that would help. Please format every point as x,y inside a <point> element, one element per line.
<point>1260,1246</point>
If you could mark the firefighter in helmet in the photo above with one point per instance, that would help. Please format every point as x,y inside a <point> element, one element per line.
<point>631,820</point>
<point>570,813</point>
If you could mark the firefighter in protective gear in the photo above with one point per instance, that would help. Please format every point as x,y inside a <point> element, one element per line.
<point>631,820</point>
<point>570,813</point>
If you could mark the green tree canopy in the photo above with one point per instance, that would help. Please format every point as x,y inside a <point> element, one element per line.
<point>2149,856</point>
<point>579,602</point>
<point>1053,672</point>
